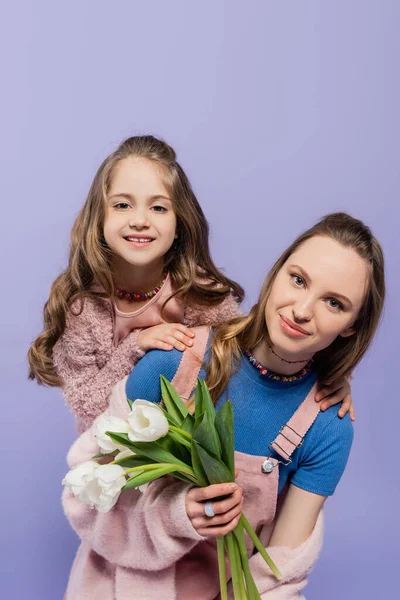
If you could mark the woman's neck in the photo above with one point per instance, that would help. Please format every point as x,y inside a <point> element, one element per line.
<point>271,360</point>
<point>136,279</point>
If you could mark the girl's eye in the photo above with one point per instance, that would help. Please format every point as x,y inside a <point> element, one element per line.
<point>335,304</point>
<point>297,280</point>
<point>159,209</point>
<point>121,205</point>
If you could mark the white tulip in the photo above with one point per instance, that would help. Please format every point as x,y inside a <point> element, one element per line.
<point>99,486</point>
<point>125,454</point>
<point>147,422</point>
<point>105,423</point>
<point>77,479</point>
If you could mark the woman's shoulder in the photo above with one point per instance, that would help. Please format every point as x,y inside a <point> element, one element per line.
<point>144,380</point>
<point>331,430</point>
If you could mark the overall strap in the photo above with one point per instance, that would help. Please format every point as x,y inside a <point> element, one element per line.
<point>292,434</point>
<point>185,378</point>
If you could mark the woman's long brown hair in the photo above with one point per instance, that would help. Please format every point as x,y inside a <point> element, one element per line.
<point>340,358</point>
<point>192,270</point>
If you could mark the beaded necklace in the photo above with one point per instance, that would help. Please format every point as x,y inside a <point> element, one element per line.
<point>141,296</point>
<point>271,375</point>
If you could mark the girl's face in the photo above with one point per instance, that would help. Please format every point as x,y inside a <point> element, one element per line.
<point>140,222</point>
<point>315,297</point>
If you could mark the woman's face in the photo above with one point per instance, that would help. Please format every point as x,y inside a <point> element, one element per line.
<point>316,297</point>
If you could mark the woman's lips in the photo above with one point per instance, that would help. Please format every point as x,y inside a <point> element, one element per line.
<point>292,329</point>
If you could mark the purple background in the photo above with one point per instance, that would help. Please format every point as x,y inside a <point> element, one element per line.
<point>280,112</point>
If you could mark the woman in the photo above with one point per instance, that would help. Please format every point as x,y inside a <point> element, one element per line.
<point>316,316</point>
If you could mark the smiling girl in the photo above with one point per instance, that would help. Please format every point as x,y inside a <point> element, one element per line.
<point>315,318</point>
<point>140,275</point>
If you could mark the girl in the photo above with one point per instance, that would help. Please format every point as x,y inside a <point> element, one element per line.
<point>140,275</point>
<point>316,316</point>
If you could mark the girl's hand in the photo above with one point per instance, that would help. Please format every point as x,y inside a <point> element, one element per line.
<point>165,337</point>
<point>338,391</point>
<point>227,510</point>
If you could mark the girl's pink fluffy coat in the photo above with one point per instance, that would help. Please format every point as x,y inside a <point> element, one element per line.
<point>132,551</point>
<point>85,358</point>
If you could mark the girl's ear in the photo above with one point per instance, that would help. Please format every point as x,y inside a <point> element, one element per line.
<point>347,332</point>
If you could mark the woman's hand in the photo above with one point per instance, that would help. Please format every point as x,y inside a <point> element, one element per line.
<point>338,391</point>
<point>165,337</point>
<point>227,511</point>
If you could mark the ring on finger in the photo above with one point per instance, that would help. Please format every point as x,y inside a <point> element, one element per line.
<point>208,509</point>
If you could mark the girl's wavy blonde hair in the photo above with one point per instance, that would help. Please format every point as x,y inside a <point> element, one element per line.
<point>192,270</point>
<point>231,339</point>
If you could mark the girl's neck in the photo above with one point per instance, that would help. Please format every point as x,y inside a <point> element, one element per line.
<point>136,279</point>
<point>271,361</point>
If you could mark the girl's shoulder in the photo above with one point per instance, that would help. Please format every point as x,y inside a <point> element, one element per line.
<point>91,310</point>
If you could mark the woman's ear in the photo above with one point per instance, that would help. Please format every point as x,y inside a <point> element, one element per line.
<point>347,332</point>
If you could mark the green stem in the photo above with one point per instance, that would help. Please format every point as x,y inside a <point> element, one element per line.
<point>235,571</point>
<point>144,468</point>
<point>243,593</point>
<point>222,568</point>
<point>181,432</point>
<point>239,534</point>
<point>177,437</point>
<point>254,538</point>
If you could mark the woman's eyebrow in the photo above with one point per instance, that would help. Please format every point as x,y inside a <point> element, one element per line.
<point>337,295</point>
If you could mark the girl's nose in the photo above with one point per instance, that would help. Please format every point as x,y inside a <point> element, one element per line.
<point>139,219</point>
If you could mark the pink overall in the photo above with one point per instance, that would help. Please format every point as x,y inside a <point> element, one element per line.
<point>146,548</point>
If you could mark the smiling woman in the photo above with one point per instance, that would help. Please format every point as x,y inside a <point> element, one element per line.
<point>316,316</point>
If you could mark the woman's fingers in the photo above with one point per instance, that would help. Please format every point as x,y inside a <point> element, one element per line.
<point>219,520</point>
<point>202,494</point>
<point>221,530</point>
<point>220,507</point>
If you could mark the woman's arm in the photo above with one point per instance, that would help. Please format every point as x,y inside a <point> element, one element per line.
<point>297,518</point>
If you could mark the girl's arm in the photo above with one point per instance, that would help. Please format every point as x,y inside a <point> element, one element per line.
<point>86,361</point>
<point>294,546</point>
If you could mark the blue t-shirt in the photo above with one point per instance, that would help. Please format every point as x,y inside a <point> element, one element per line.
<point>260,407</point>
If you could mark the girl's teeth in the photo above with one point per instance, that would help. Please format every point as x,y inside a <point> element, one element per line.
<point>130,239</point>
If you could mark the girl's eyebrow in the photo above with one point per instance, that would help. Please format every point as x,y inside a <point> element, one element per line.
<point>308,280</point>
<point>130,197</point>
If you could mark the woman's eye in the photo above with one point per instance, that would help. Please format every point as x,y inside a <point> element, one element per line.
<point>121,205</point>
<point>335,304</point>
<point>160,209</point>
<point>297,280</point>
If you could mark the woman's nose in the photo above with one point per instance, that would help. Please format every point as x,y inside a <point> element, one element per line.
<point>303,311</point>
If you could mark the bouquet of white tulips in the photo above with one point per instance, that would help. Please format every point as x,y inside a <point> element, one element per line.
<point>156,441</point>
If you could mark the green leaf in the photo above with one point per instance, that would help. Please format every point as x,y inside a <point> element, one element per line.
<point>198,467</point>
<point>172,400</point>
<point>208,405</point>
<point>198,400</point>
<point>170,419</point>
<point>215,469</point>
<point>130,403</point>
<point>225,428</point>
<point>106,455</point>
<point>134,461</point>
<point>206,435</point>
<point>150,449</point>
<point>148,476</point>
<point>188,424</point>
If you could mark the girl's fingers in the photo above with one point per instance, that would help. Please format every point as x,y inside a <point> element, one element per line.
<point>352,412</point>
<point>346,406</point>
<point>160,345</point>
<point>327,390</point>
<point>183,329</point>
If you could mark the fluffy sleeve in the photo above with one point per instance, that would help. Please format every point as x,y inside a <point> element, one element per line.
<point>85,359</point>
<point>149,530</point>
<point>196,314</point>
